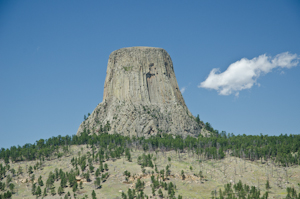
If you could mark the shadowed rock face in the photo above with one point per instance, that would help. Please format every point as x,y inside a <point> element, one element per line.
<point>141,96</point>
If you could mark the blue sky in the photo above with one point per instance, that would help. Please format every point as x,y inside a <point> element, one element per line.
<point>53,58</point>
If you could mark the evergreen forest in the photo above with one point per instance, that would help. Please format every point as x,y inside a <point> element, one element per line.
<point>282,151</point>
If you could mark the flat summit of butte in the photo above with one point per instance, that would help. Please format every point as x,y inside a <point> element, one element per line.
<point>141,97</point>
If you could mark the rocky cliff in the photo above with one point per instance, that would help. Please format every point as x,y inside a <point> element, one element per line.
<point>141,96</point>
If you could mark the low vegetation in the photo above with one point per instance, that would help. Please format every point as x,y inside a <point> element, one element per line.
<point>220,165</point>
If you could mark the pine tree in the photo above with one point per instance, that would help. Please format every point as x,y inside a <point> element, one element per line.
<point>124,195</point>
<point>268,185</point>
<point>45,192</point>
<point>94,195</point>
<point>91,167</point>
<point>198,119</point>
<point>97,172</point>
<point>182,175</point>
<point>40,181</point>
<point>13,171</point>
<point>83,165</point>
<point>30,170</point>
<point>63,181</point>
<point>97,182</point>
<point>60,190</point>
<point>32,178</point>
<point>33,189</point>
<point>130,193</point>
<point>11,187</point>
<point>101,167</point>
<point>38,191</point>
<point>75,187</point>
<point>8,179</point>
<point>160,193</point>
<point>8,194</point>
<point>56,173</point>
<point>53,190</point>
<point>20,170</point>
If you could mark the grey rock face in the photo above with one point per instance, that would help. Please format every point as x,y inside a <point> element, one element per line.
<point>141,96</point>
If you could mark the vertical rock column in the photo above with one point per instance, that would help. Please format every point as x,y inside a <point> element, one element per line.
<point>141,96</point>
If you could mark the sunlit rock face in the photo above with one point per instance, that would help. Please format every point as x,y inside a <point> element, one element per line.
<point>141,96</point>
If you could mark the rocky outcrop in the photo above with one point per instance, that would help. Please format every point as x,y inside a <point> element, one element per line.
<point>141,96</point>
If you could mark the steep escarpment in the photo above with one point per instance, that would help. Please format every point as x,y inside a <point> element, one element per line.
<point>141,96</point>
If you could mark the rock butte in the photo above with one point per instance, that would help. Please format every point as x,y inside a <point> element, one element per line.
<point>141,96</point>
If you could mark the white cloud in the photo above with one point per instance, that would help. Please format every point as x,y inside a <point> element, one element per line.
<point>182,90</point>
<point>244,73</point>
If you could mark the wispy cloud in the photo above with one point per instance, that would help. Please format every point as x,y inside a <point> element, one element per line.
<point>182,89</point>
<point>243,74</point>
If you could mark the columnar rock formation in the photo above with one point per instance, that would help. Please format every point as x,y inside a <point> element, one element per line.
<point>141,96</point>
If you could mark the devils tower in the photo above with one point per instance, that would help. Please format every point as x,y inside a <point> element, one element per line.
<point>141,96</point>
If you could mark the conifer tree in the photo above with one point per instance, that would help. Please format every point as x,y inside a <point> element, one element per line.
<point>60,190</point>
<point>13,171</point>
<point>160,193</point>
<point>11,187</point>
<point>20,170</point>
<point>40,181</point>
<point>97,172</point>
<point>30,170</point>
<point>52,190</point>
<point>97,182</point>
<point>33,189</point>
<point>268,185</point>
<point>45,192</point>
<point>75,187</point>
<point>94,195</point>
<point>63,181</point>
<point>38,191</point>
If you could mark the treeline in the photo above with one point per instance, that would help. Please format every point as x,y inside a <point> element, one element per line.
<point>239,190</point>
<point>283,149</point>
<point>244,191</point>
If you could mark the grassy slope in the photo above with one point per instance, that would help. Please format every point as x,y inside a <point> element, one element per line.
<point>251,173</point>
